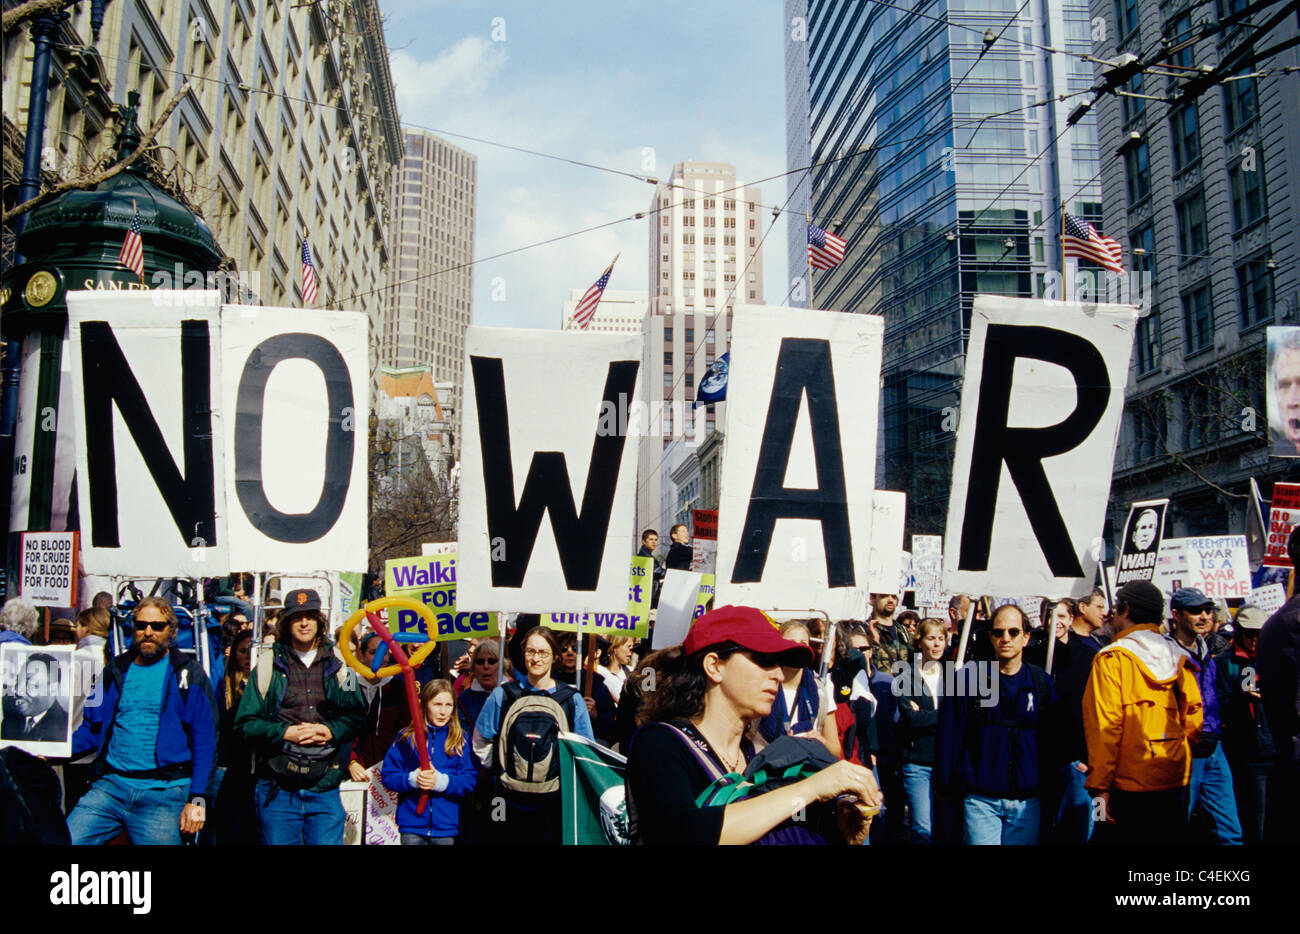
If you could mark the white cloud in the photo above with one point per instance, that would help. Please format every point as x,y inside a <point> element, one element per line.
<point>462,72</point>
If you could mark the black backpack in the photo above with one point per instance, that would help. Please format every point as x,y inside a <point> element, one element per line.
<point>527,744</point>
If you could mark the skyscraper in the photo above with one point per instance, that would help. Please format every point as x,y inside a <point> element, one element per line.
<point>705,258</point>
<point>940,152</point>
<point>431,278</point>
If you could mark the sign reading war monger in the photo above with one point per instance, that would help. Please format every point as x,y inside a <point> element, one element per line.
<point>431,580</point>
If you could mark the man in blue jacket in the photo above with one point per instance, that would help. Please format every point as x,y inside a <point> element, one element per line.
<point>155,730</point>
<point>994,744</point>
<point>1211,788</point>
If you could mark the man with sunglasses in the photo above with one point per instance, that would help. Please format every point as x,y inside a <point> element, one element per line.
<point>155,728</point>
<point>1141,713</point>
<point>995,746</point>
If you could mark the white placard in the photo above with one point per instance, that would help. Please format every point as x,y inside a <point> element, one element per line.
<point>888,516</point>
<point>801,438</point>
<point>437,548</point>
<point>150,445</point>
<point>1043,393</point>
<point>381,812</point>
<point>353,797</point>
<point>36,698</point>
<point>554,415</point>
<point>1171,566</point>
<point>297,400</point>
<point>704,555</point>
<point>1218,566</point>
<point>49,569</point>
<point>676,610</point>
<point>1270,598</point>
<point>927,570</point>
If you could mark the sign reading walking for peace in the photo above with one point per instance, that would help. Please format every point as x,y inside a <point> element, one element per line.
<point>49,569</point>
<point>1283,516</point>
<point>431,579</point>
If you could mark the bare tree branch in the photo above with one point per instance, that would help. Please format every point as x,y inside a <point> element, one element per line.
<point>90,181</point>
<point>31,9</point>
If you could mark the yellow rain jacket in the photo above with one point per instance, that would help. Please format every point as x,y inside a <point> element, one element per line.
<point>1141,713</point>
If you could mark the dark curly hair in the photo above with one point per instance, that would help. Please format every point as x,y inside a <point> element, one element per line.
<point>679,683</point>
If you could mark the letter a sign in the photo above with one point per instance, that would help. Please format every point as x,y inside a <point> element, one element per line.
<point>794,523</point>
<point>548,484</point>
<point>1040,414</point>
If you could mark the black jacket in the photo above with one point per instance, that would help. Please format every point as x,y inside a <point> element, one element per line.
<point>1278,653</point>
<point>679,557</point>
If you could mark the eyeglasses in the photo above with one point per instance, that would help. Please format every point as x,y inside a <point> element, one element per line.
<point>155,625</point>
<point>537,653</point>
<point>487,660</point>
<point>1011,633</point>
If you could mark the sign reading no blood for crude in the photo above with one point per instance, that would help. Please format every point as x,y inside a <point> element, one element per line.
<point>431,580</point>
<point>49,569</point>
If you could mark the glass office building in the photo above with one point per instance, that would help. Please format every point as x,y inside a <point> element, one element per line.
<point>942,159</point>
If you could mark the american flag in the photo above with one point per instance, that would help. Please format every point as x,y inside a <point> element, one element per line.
<point>308,275</point>
<point>824,249</point>
<point>132,253</point>
<point>586,309</point>
<point>1082,241</point>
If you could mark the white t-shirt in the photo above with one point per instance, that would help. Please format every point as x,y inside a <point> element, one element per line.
<point>615,677</point>
<point>306,657</point>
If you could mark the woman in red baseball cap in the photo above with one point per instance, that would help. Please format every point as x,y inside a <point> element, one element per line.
<point>726,674</point>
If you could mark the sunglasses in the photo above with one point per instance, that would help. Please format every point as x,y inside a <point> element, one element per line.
<point>141,625</point>
<point>485,661</point>
<point>1012,633</point>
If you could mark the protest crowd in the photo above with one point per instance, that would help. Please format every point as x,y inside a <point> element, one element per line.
<point>1120,718</point>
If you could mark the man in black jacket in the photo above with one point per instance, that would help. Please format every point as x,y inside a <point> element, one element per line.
<point>649,542</point>
<point>679,553</point>
<point>1279,687</point>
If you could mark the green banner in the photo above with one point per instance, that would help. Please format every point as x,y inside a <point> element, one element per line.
<point>593,799</point>
<point>634,621</point>
<point>431,580</point>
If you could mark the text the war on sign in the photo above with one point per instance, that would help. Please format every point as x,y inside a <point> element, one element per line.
<point>1041,401</point>
<point>795,516</point>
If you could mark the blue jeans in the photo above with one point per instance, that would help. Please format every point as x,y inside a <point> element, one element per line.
<point>150,816</point>
<point>299,818</point>
<point>1074,816</point>
<point>1001,821</point>
<point>1211,789</point>
<point>920,797</point>
<point>418,839</point>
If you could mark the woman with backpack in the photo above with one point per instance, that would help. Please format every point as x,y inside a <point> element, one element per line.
<point>726,673</point>
<point>451,777</point>
<point>517,736</point>
<point>299,712</point>
<point>919,688</point>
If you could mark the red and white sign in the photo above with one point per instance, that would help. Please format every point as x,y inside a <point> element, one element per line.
<point>706,523</point>
<point>1217,565</point>
<point>1282,518</point>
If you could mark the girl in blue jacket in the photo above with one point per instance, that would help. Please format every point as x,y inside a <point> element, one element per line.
<point>451,778</point>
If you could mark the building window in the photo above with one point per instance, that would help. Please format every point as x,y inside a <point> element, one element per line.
<point>1126,14</point>
<point>1240,102</point>
<point>690,336</point>
<point>668,358</point>
<point>1133,105</point>
<point>1255,287</point>
<point>1200,422</point>
<point>668,335</point>
<point>1191,226</point>
<point>1148,429</point>
<point>1138,172</point>
<point>1198,319</point>
<point>1185,137</point>
<point>1148,343</point>
<point>1247,192</point>
<point>1144,240</point>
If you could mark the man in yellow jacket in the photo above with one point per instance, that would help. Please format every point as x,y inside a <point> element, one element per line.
<point>1141,712</point>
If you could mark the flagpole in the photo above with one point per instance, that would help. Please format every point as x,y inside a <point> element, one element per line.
<point>135,214</point>
<point>807,222</point>
<point>1065,289</point>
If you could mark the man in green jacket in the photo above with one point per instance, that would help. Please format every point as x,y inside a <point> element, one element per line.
<point>299,711</point>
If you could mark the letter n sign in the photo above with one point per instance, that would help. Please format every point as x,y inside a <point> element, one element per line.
<point>1040,407</point>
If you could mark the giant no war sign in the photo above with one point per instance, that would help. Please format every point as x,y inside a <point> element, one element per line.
<point>209,437</point>
<point>1040,414</point>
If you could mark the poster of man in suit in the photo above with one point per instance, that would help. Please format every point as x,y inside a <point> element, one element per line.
<point>1142,534</point>
<point>35,697</point>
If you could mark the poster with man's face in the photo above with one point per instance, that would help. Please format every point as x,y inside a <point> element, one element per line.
<point>1282,388</point>
<point>36,697</point>
<point>1141,545</point>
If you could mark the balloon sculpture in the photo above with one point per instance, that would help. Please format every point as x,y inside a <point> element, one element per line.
<point>404,665</point>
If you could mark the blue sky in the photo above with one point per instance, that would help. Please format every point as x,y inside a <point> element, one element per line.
<point>598,82</point>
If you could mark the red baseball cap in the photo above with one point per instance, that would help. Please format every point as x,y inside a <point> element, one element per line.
<point>749,628</point>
